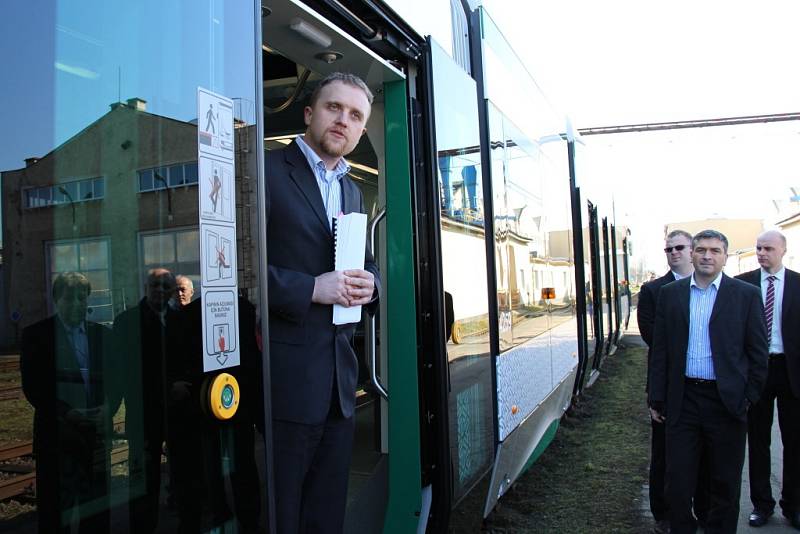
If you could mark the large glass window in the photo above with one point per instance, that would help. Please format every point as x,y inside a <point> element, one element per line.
<point>463,237</point>
<point>521,255</point>
<point>100,107</point>
<point>65,193</point>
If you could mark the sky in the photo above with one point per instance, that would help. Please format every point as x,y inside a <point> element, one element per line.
<point>628,62</point>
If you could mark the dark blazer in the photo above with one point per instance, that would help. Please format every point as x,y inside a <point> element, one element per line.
<point>646,311</point>
<point>72,425</point>
<point>790,322</point>
<point>738,346</point>
<point>307,351</point>
<point>52,381</point>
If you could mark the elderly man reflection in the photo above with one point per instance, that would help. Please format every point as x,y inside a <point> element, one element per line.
<point>62,366</point>
<point>184,290</point>
<point>140,335</point>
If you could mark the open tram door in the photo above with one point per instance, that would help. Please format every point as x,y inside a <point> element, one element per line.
<point>300,47</point>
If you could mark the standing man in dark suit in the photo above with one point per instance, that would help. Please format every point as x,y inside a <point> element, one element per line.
<point>313,365</point>
<point>140,335</point>
<point>709,364</point>
<point>780,289</point>
<point>63,377</point>
<point>678,248</point>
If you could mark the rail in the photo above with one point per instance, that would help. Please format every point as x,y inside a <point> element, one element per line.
<point>25,482</point>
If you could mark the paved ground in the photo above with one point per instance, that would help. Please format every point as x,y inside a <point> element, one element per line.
<point>777,522</point>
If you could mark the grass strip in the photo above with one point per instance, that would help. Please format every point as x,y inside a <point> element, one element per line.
<point>590,479</point>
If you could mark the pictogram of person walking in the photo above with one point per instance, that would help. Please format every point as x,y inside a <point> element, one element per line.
<point>210,117</point>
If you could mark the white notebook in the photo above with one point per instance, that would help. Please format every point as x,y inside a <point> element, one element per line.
<point>350,234</point>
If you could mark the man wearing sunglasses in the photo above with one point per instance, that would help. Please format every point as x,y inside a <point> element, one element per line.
<point>678,249</point>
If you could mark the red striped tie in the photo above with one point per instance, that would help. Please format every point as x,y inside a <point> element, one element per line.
<point>769,307</point>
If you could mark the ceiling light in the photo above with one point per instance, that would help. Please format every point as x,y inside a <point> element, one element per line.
<point>310,32</point>
<point>329,56</point>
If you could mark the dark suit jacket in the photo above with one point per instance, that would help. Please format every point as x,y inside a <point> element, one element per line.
<point>52,382</point>
<point>738,346</point>
<point>307,351</point>
<point>790,322</point>
<point>646,311</point>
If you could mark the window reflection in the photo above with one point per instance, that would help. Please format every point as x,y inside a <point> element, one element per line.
<point>463,235</point>
<point>99,180</point>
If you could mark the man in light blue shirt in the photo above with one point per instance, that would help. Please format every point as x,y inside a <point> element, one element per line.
<point>708,365</point>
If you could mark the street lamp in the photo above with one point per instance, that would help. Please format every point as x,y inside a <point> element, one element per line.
<point>161,179</point>
<point>64,192</point>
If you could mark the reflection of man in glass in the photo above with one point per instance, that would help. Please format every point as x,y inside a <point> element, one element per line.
<point>140,335</point>
<point>62,365</point>
<point>184,289</point>
<point>210,116</point>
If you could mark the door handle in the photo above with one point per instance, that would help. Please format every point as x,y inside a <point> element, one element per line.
<point>372,348</point>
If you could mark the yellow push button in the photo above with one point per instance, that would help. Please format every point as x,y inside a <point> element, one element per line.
<point>223,396</point>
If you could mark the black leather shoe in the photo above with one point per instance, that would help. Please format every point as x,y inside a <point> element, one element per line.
<point>794,519</point>
<point>758,518</point>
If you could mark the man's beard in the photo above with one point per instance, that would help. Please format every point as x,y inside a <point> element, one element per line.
<point>335,149</point>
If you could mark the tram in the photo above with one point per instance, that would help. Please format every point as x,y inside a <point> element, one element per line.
<point>505,269</point>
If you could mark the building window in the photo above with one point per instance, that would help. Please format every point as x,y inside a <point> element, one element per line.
<point>163,177</point>
<point>65,193</point>
<point>89,257</point>
<point>177,251</point>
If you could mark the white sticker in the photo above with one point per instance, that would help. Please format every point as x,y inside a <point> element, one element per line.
<point>217,203</point>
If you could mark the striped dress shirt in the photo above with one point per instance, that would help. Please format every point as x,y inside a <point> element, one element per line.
<point>699,363</point>
<point>329,182</point>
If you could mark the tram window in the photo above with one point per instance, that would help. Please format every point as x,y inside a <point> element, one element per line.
<point>463,231</point>
<point>518,175</point>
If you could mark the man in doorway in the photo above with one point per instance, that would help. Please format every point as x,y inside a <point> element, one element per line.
<point>314,368</point>
<point>678,248</point>
<point>780,290</point>
<point>708,365</point>
<point>184,289</point>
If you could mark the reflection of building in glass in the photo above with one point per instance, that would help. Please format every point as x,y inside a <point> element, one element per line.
<point>118,198</point>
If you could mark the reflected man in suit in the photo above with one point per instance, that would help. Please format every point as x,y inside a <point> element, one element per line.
<point>678,249</point>
<point>780,290</point>
<point>313,365</point>
<point>62,366</point>
<point>140,335</point>
<point>708,365</point>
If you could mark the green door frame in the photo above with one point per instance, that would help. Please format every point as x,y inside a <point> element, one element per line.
<point>402,514</point>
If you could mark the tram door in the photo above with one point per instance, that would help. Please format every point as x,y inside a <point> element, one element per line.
<point>129,170</point>
<point>294,63</point>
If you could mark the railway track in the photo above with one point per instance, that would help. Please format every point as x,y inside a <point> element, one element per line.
<point>9,364</point>
<point>26,482</point>
<point>10,393</point>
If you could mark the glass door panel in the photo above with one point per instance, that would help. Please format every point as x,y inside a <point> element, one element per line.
<point>108,425</point>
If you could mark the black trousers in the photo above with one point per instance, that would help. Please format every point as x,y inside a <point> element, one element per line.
<point>658,468</point>
<point>312,465</point>
<point>704,424</point>
<point>759,435</point>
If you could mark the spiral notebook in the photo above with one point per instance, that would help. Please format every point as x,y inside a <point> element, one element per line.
<point>350,235</point>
